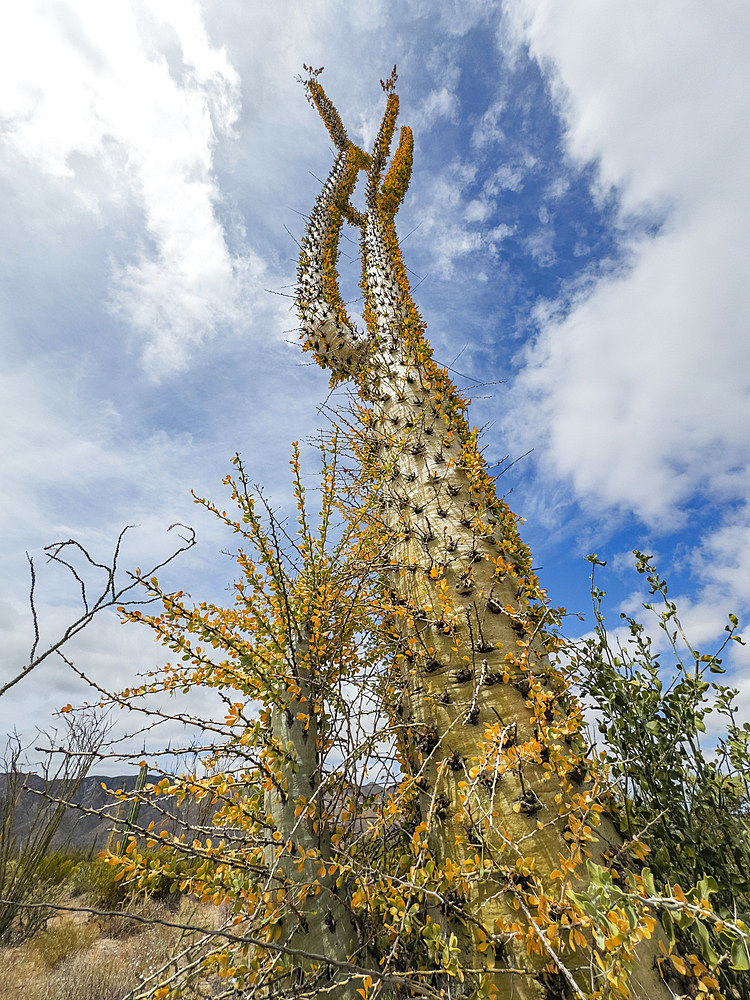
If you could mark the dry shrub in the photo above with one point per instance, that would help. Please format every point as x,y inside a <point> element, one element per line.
<point>110,958</point>
<point>122,925</point>
<point>62,940</point>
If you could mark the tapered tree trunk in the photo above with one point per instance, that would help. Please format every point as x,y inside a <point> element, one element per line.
<point>315,923</point>
<point>492,734</point>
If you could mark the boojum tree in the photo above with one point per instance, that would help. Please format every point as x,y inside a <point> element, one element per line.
<point>493,736</point>
<point>407,634</point>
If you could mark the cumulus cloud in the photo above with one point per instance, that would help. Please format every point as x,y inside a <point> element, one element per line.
<point>644,383</point>
<point>137,95</point>
<point>637,386</point>
<point>642,387</point>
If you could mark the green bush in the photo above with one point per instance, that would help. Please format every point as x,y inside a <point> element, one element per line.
<point>168,869</point>
<point>95,880</point>
<point>688,803</point>
<point>59,868</point>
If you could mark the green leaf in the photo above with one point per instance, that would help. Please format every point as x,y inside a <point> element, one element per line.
<point>706,886</point>
<point>740,958</point>
<point>594,559</point>
<point>648,880</point>
<point>699,930</point>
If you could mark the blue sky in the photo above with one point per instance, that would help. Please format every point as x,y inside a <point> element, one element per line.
<point>577,229</point>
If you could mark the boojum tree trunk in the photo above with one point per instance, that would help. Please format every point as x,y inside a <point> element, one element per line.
<point>315,923</point>
<point>493,736</point>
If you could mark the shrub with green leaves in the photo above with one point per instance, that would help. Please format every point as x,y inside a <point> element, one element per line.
<point>59,868</point>
<point>686,801</point>
<point>105,888</point>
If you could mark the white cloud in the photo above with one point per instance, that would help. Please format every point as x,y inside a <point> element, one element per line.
<point>478,210</point>
<point>501,232</point>
<point>653,94</point>
<point>440,103</point>
<point>540,246</point>
<point>642,389</point>
<point>637,390</point>
<point>456,17</point>
<point>488,129</point>
<point>720,565</point>
<point>63,447</point>
<point>507,178</point>
<point>137,95</point>
<point>443,218</point>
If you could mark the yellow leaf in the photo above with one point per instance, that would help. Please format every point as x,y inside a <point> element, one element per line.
<point>366,984</point>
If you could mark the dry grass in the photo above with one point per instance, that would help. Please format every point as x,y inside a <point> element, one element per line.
<point>61,940</point>
<point>90,960</point>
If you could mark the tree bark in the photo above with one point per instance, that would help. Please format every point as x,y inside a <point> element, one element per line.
<point>315,920</point>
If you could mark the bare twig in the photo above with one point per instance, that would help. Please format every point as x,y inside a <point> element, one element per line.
<point>111,595</point>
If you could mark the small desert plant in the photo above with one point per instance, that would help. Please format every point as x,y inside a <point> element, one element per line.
<point>95,880</point>
<point>98,881</point>
<point>59,868</point>
<point>61,941</point>
<point>168,869</point>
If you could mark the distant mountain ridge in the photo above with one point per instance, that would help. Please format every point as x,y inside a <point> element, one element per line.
<point>88,823</point>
